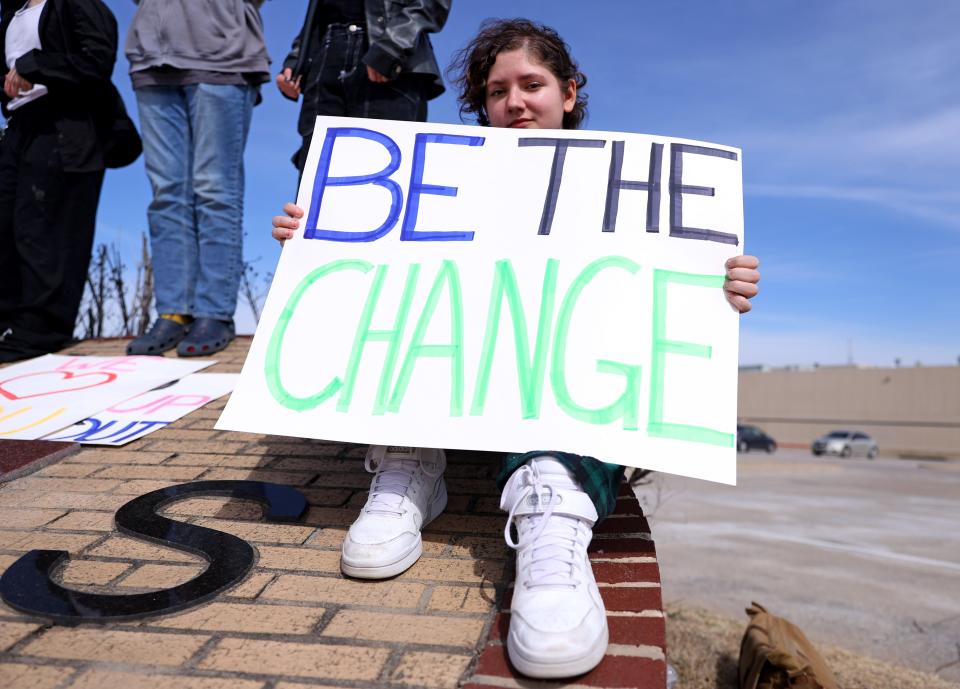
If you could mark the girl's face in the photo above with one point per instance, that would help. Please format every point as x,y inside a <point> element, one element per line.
<point>524,93</point>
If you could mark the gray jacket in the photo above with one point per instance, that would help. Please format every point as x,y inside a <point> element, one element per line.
<point>212,35</point>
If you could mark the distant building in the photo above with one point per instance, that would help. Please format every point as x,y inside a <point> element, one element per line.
<point>912,412</point>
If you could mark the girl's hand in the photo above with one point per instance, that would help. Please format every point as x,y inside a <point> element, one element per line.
<point>742,279</point>
<point>284,225</point>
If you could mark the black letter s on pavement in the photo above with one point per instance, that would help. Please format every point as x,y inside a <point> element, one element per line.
<point>26,585</point>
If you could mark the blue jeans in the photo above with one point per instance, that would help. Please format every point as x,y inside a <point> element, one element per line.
<point>193,141</point>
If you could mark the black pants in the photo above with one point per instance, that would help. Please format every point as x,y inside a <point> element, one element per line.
<point>336,84</point>
<point>47,222</point>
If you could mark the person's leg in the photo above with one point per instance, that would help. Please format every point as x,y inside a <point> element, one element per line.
<point>398,99</point>
<point>407,490</point>
<point>9,258</point>
<point>406,494</point>
<point>322,90</point>
<point>220,121</point>
<point>600,480</point>
<point>338,85</point>
<point>53,226</point>
<point>558,625</point>
<point>167,154</point>
<point>72,207</point>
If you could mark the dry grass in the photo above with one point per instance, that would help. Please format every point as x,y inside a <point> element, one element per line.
<point>704,649</point>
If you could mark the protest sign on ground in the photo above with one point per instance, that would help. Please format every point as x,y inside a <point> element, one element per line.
<point>46,394</point>
<point>141,415</point>
<point>509,290</point>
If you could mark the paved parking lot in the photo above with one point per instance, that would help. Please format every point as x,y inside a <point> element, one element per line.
<point>861,554</point>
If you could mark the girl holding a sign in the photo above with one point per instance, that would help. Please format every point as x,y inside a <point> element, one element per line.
<point>514,73</point>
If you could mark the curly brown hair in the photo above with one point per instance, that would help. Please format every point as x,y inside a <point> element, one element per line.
<point>471,66</point>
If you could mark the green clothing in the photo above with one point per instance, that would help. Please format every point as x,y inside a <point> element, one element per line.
<point>599,480</point>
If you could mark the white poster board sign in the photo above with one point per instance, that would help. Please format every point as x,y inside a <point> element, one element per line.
<point>43,395</point>
<point>506,290</point>
<point>134,418</point>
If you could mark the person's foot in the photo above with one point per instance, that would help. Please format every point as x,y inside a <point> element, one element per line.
<point>206,336</point>
<point>407,493</point>
<point>164,335</point>
<point>15,347</point>
<point>9,354</point>
<point>558,625</point>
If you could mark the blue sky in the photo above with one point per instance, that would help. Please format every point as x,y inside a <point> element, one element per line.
<point>848,114</point>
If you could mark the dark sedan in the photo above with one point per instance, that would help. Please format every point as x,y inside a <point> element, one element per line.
<point>752,438</point>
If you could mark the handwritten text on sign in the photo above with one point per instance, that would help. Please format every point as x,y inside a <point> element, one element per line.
<point>134,418</point>
<point>46,394</point>
<point>466,287</point>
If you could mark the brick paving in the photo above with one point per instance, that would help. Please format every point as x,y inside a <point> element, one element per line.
<point>294,622</point>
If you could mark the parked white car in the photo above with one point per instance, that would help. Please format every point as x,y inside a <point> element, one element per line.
<point>846,444</point>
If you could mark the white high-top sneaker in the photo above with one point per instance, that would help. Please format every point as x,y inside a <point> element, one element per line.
<point>407,493</point>
<point>558,625</point>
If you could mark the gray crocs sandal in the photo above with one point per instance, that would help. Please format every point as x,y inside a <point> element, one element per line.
<point>164,335</point>
<point>206,336</point>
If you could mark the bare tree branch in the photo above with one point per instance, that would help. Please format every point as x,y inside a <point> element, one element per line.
<point>111,305</point>
<point>116,267</point>
<point>254,287</point>
<point>144,292</point>
<point>97,292</point>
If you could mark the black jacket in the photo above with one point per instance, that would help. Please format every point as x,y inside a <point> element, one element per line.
<point>398,39</point>
<point>79,47</point>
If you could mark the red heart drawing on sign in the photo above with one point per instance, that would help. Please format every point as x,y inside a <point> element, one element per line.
<point>63,377</point>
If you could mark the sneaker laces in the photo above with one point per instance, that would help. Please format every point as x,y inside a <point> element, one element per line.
<point>393,476</point>
<point>553,540</point>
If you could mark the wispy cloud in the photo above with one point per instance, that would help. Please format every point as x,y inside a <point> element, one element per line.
<point>863,105</point>
<point>911,149</point>
<point>932,134</point>
<point>941,207</point>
